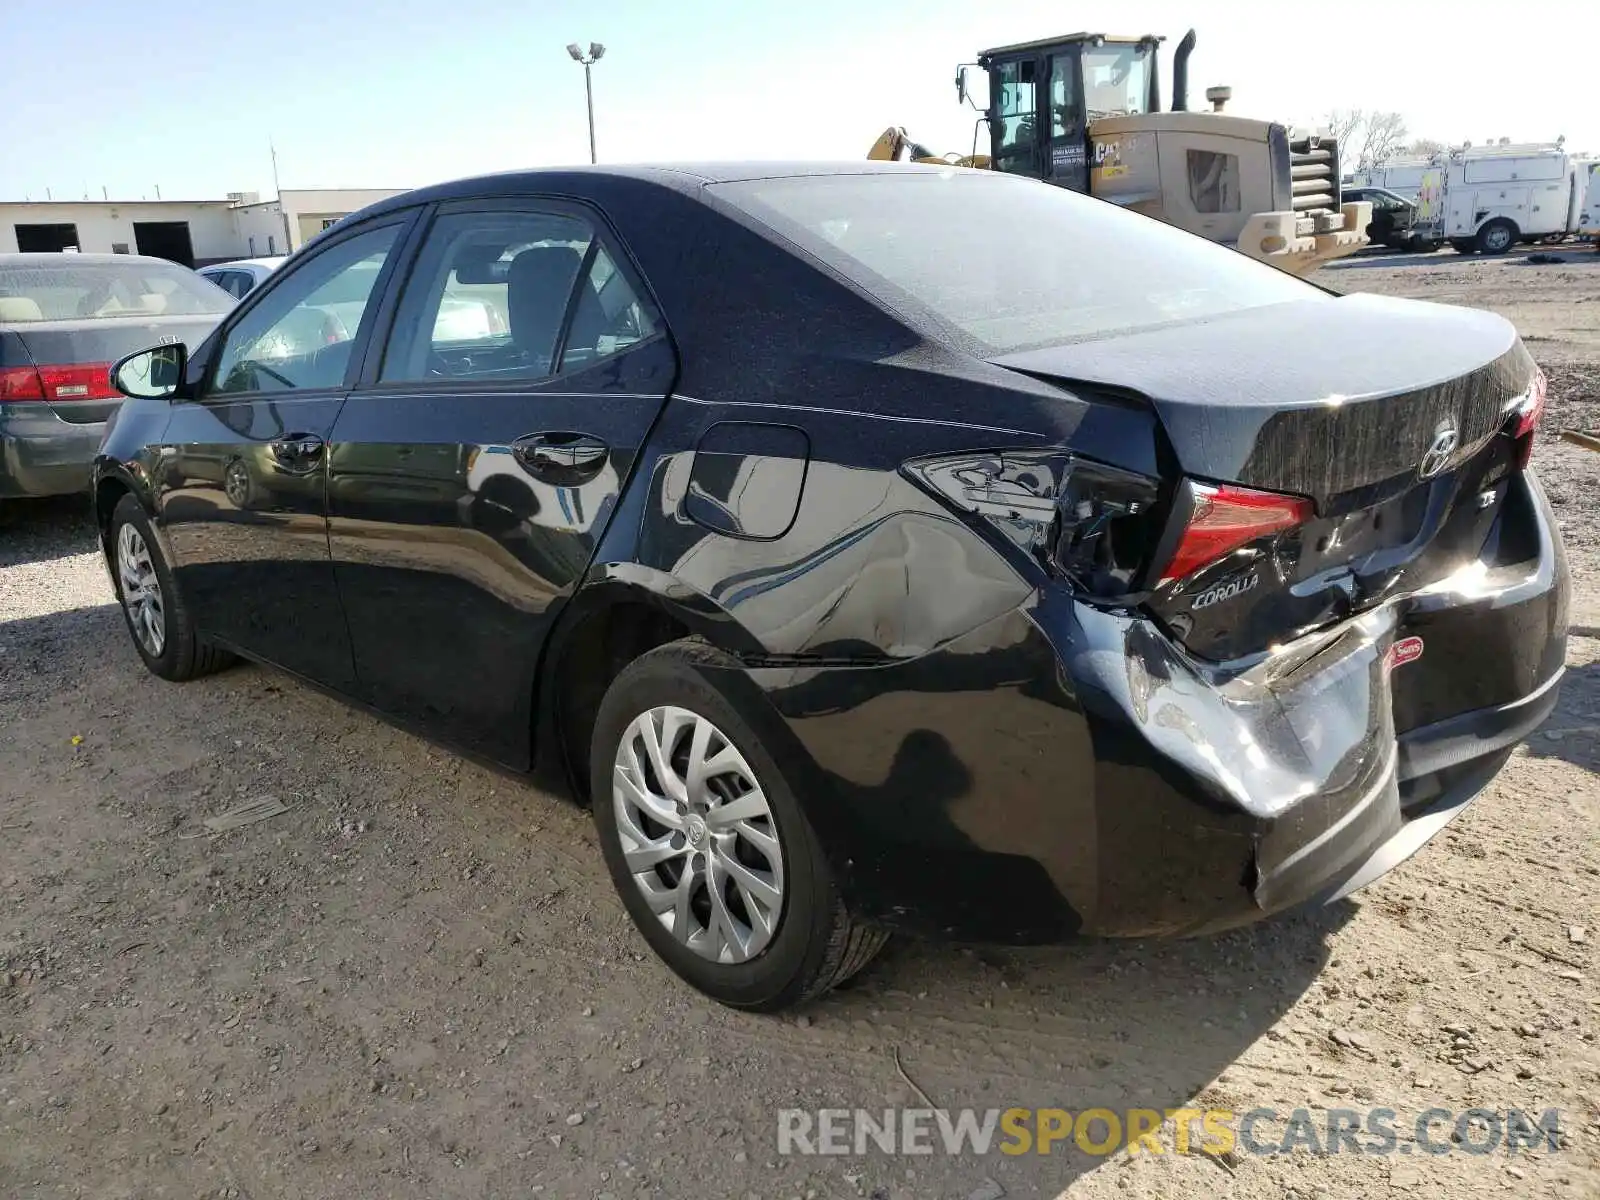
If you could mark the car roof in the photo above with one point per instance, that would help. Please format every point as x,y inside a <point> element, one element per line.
<point>687,177</point>
<point>57,258</point>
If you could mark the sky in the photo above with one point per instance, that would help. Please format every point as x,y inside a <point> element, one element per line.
<point>131,95</point>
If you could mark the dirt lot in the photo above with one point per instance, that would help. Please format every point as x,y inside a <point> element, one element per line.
<point>417,982</point>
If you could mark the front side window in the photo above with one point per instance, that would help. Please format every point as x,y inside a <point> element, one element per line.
<point>1116,81</point>
<point>511,297</point>
<point>300,333</point>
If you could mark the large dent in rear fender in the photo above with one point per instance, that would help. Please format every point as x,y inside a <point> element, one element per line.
<point>1311,725</point>
<point>870,569</point>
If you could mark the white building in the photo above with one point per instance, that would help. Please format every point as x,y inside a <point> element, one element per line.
<point>298,215</point>
<point>192,232</point>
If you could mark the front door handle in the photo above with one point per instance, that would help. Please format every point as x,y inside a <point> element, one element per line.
<point>561,459</point>
<point>299,452</point>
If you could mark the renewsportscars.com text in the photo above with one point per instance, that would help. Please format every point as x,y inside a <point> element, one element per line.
<point>1217,1131</point>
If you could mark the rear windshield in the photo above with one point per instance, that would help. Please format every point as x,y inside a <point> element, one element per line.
<point>68,291</point>
<point>1009,263</point>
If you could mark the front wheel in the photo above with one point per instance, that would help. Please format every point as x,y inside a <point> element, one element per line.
<point>163,630</point>
<point>713,857</point>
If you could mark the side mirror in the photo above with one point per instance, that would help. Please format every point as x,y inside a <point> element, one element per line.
<point>961,85</point>
<point>154,374</point>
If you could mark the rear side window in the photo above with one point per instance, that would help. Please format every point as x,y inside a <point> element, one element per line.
<point>1002,263</point>
<point>509,297</point>
<point>69,291</point>
<point>235,283</point>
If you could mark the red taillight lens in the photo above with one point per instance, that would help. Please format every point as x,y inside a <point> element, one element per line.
<point>1529,408</point>
<point>1223,517</point>
<point>20,383</point>
<point>73,381</point>
<point>78,381</point>
<point>1531,405</point>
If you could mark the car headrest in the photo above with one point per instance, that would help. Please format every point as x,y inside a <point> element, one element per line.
<point>20,308</point>
<point>538,286</point>
<point>479,262</point>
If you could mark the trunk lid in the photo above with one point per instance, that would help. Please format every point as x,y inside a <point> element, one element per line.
<point>1390,415</point>
<point>94,340</point>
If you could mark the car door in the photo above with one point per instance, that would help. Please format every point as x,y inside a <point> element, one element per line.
<point>243,481</point>
<point>472,472</point>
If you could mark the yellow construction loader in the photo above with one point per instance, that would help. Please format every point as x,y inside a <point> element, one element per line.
<point>1084,112</point>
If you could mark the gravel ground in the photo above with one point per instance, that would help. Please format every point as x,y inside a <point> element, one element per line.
<point>416,982</point>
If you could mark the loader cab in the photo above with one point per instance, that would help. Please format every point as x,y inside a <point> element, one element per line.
<point>1043,96</point>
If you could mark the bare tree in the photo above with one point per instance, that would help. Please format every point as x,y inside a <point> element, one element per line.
<point>1343,124</point>
<point>1424,148</point>
<point>1366,139</point>
<point>1381,139</point>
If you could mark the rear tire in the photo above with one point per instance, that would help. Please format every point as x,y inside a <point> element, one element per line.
<point>159,622</point>
<point>745,909</point>
<point>1497,237</point>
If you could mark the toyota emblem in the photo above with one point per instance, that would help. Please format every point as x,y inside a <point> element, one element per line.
<point>1445,441</point>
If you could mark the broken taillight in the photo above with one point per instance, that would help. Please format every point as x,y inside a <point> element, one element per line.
<point>1525,412</point>
<point>1081,520</point>
<point>1223,517</point>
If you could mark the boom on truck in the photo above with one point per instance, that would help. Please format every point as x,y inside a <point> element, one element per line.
<point>1083,111</point>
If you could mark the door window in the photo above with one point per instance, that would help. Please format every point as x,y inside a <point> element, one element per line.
<point>511,297</point>
<point>1066,117</point>
<point>1014,109</point>
<point>301,332</point>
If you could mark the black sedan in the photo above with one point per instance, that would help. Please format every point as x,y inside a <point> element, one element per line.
<point>876,547</point>
<point>64,319</point>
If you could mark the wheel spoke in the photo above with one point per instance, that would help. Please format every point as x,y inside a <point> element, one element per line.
<point>750,882</point>
<point>652,738</point>
<point>741,808</point>
<point>763,841</point>
<point>636,794</point>
<point>648,854</point>
<point>682,914</point>
<point>699,741</point>
<point>726,941</point>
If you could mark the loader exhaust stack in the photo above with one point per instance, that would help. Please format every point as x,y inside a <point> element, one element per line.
<point>1180,72</point>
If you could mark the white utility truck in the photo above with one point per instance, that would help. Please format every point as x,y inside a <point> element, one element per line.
<point>1488,198</point>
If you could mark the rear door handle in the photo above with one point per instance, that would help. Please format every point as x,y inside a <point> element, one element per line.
<point>561,459</point>
<point>298,452</point>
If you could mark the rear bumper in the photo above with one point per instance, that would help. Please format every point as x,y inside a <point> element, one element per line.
<point>42,455</point>
<point>1065,770</point>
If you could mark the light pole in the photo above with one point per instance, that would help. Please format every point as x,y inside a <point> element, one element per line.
<point>596,51</point>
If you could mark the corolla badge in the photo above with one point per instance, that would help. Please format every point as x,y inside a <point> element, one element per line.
<point>1445,440</point>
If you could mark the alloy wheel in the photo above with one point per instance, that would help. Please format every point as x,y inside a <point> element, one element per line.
<point>698,834</point>
<point>141,591</point>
